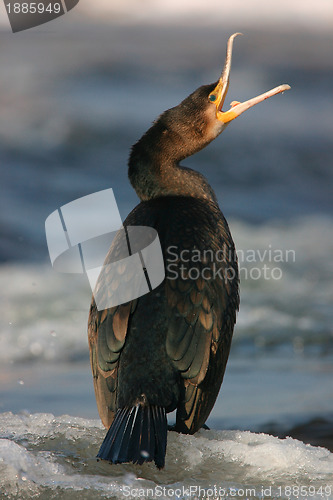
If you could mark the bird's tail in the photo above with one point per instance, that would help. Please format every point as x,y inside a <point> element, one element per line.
<point>138,434</point>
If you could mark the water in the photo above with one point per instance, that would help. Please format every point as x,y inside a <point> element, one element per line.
<point>278,382</point>
<point>74,102</point>
<point>52,457</point>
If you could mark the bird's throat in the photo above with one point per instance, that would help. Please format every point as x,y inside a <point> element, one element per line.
<point>154,166</point>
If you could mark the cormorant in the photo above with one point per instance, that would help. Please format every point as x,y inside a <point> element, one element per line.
<point>168,349</point>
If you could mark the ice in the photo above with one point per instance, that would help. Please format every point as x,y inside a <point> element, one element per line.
<point>43,456</point>
<point>279,373</point>
<point>43,315</point>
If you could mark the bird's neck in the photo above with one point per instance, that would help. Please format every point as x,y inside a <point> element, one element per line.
<point>154,169</point>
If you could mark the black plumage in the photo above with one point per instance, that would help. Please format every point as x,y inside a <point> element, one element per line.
<point>168,349</point>
<point>138,432</point>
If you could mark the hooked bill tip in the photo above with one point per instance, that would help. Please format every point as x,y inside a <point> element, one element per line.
<point>282,88</point>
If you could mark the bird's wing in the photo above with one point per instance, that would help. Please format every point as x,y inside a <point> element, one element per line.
<point>201,314</point>
<point>202,303</point>
<point>107,328</point>
<point>106,333</point>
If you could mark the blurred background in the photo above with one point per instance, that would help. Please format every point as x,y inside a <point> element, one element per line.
<point>76,93</point>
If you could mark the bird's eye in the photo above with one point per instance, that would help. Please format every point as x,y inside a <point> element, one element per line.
<point>212,97</point>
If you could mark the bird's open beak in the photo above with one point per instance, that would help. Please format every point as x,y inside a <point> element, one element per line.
<point>219,93</point>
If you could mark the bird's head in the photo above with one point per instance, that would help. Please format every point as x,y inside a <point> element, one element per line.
<point>182,131</point>
<point>202,111</point>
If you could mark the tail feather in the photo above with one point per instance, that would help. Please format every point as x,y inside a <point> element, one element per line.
<point>138,434</point>
<point>159,415</point>
<point>112,433</point>
<point>129,435</point>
